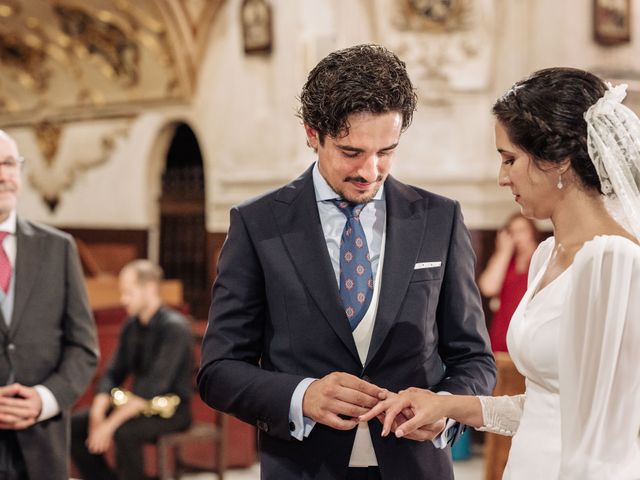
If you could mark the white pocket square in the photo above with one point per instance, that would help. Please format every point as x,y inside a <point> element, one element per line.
<point>422,265</point>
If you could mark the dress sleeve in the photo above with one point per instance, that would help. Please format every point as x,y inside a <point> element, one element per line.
<point>501,415</point>
<point>599,363</point>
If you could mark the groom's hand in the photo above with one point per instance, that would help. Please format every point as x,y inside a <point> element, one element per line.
<point>337,400</point>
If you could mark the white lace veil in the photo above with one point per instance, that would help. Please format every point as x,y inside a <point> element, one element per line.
<point>613,138</point>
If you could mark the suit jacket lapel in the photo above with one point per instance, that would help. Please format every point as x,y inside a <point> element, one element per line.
<point>4,329</point>
<point>297,217</point>
<point>28,246</point>
<point>406,219</point>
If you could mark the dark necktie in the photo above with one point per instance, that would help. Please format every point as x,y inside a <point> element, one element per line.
<point>5,265</point>
<point>356,279</point>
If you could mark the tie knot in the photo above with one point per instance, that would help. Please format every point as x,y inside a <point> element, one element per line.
<point>348,208</point>
<point>3,235</point>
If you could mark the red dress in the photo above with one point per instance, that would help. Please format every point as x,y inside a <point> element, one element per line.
<point>513,288</point>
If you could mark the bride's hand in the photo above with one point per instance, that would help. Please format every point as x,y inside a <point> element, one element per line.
<point>400,418</point>
<point>426,408</point>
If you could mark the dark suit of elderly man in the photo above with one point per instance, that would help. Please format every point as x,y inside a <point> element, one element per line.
<point>341,283</point>
<point>48,349</point>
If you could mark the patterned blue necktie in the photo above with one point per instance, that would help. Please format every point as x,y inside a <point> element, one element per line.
<point>356,279</point>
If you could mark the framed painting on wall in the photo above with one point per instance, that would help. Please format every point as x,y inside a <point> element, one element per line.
<point>612,21</point>
<point>256,26</point>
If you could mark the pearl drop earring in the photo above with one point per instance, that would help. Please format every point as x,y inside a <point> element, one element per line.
<point>560,184</point>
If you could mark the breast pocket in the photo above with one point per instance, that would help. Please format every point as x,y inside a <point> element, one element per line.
<point>424,274</point>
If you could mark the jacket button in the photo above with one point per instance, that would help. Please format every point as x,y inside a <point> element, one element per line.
<point>11,347</point>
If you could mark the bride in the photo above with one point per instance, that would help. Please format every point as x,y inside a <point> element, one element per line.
<point>570,152</point>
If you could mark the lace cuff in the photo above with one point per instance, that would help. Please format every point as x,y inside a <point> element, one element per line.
<point>501,415</point>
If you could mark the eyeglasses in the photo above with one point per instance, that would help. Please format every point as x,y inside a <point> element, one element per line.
<point>11,164</point>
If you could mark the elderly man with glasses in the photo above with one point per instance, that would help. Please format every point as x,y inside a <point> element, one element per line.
<point>48,349</point>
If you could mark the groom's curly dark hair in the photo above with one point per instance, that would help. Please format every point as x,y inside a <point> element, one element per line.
<point>363,78</point>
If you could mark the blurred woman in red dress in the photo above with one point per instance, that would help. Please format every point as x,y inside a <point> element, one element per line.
<point>505,277</point>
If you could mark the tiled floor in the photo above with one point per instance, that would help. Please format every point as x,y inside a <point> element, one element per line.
<point>464,470</point>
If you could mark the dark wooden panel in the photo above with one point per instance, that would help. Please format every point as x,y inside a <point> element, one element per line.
<point>108,250</point>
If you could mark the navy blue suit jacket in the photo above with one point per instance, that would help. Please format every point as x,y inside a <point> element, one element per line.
<point>277,317</point>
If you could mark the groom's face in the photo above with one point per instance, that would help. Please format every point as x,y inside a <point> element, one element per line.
<point>356,165</point>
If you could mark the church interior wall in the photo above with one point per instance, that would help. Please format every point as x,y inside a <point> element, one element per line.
<point>106,173</point>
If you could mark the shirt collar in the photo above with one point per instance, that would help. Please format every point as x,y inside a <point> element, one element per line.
<point>153,320</point>
<point>324,192</point>
<point>9,225</point>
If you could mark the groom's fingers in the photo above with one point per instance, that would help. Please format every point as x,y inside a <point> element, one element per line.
<point>347,409</point>
<point>356,397</point>
<point>379,409</point>
<point>333,420</point>
<point>339,393</point>
<point>358,391</point>
<point>384,394</point>
<point>340,415</point>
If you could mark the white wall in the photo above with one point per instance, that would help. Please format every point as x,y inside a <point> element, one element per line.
<point>243,112</point>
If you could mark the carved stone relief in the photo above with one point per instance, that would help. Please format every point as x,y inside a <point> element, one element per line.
<point>55,174</point>
<point>448,45</point>
<point>48,139</point>
<point>64,60</point>
<point>434,15</point>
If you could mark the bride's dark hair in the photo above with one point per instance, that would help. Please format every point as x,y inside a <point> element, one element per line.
<point>544,116</point>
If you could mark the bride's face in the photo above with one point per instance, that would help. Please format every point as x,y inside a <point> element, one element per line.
<point>533,188</point>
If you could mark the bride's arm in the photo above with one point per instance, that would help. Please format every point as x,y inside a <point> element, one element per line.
<point>484,413</point>
<point>501,415</point>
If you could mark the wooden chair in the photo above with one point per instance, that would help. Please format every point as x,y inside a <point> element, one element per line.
<point>176,447</point>
<point>170,446</point>
<point>496,447</point>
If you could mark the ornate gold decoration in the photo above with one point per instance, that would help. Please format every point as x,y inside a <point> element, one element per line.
<point>434,15</point>
<point>161,405</point>
<point>102,37</point>
<point>68,60</point>
<point>28,60</point>
<point>48,137</point>
<point>9,8</point>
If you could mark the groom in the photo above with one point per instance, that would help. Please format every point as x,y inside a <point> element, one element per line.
<point>343,282</point>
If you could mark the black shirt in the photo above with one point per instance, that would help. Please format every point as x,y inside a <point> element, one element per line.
<point>158,356</point>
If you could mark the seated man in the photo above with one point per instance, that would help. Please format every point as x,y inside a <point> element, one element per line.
<point>155,349</point>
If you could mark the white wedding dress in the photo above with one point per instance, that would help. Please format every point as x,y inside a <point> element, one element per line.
<point>577,341</point>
